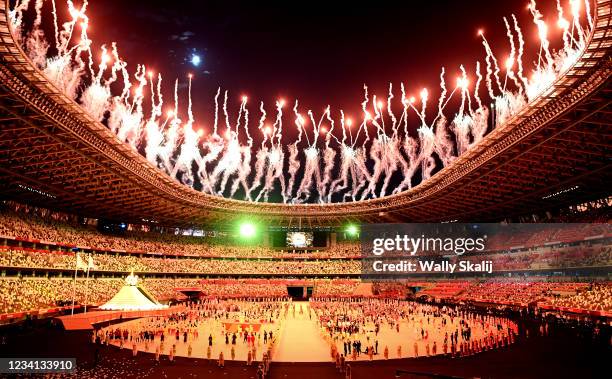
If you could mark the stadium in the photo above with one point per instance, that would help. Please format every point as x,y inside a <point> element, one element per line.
<point>176,228</point>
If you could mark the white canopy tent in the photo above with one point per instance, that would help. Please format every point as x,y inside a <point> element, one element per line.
<point>132,297</point>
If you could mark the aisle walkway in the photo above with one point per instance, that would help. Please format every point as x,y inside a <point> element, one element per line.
<point>301,340</point>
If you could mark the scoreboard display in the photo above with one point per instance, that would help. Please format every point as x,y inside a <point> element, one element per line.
<point>299,239</point>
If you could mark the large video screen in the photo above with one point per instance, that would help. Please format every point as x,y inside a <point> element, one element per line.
<point>299,239</point>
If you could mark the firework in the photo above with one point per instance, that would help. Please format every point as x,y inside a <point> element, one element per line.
<point>349,160</point>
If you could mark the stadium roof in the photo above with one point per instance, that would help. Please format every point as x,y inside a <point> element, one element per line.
<point>555,152</point>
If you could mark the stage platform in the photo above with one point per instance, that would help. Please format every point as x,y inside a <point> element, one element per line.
<point>85,321</point>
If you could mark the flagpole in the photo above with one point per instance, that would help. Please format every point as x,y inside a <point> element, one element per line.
<point>87,283</point>
<point>76,269</point>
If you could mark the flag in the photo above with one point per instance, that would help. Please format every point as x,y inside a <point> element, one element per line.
<point>90,263</point>
<point>80,263</point>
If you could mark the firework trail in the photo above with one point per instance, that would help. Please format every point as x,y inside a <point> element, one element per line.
<point>542,32</point>
<point>262,153</point>
<point>244,169</point>
<point>576,26</point>
<point>477,86</point>
<point>153,133</point>
<point>229,164</point>
<point>213,148</point>
<point>366,118</point>
<point>443,144</point>
<point>35,41</point>
<point>480,124</point>
<point>424,96</point>
<point>216,120</point>
<point>228,127</point>
<point>442,94</point>
<point>125,117</point>
<point>329,156</point>
<point>426,139</point>
<point>375,155</point>
<point>275,158</point>
<point>405,104</point>
<point>492,67</point>
<point>243,113</point>
<point>346,168</point>
<point>294,163</point>
<point>587,10</point>
<point>312,174</point>
<point>347,157</point>
<point>16,18</point>
<point>312,171</point>
<point>360,173</point>
<point>564,25</point>
<point>392,159</point>
<point>394,124</point>
<point>278,123</point>
<point>169,145</point>
<point>511,59</point>
<point>343,127</point>
<point>189,149</point>
<point>243,173</point>
<point>233,154</point>
<point>377,105</point>
<point>462,121</point>
<point>519,59</point>
<point>349,169</point>
<point>96,97</point>
<point>410,147</point>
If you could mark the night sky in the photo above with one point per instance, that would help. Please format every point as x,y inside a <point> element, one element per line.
<point>321,52</point>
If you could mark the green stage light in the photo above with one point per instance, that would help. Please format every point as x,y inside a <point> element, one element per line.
<point>247,230</point>
<point>352,230</point>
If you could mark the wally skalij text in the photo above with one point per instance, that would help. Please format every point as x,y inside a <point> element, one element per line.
<point>430,265</point>
<point>406,255</point>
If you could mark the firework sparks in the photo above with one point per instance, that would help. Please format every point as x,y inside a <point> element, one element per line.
<point>324,163</point>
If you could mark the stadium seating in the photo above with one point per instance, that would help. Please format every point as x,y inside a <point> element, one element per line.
<point>43,241</point>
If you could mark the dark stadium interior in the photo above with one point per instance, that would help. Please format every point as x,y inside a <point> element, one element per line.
<point>562,356</point>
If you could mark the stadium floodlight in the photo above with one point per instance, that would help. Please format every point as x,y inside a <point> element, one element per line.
<point>352,230</point>
<point>247,230</point>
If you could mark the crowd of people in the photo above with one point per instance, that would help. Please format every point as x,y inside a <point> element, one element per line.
<point>521,291</point>
<point>366,329</point>
<point>215,330</point>
<point>544,235</point>
<point>31,227</point>
<point>115,262</point>
<point>551,247</point>
<point>27,294</point>
<point>243,289</point>
<point>596,298</point>
<point>444,289</point>
<point>390,289</point>
<point>60,232</point>
<point>30,294</point>
<point>585,254</point>
<point>363,329</point>
<point>335,288</point>
<point>575,256</point>
<point>167,252</point>
<point>20,294</point>
<point>517,292</point>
